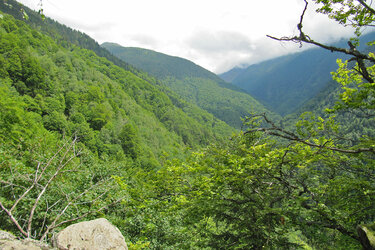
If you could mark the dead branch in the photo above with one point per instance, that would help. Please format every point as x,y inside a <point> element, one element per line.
<point>46,213</point>
<point>358,56</point>
<point>14,220</point>
<point>39,174</point>
<point>27,190</point>
<point>41,179</point>
<point>62,164</point>
<point>53,226</point>
<point>363,3</point>
<point>73,200</point>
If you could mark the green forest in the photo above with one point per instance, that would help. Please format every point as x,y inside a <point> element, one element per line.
<point>85,135</point>
<point>193,84</point>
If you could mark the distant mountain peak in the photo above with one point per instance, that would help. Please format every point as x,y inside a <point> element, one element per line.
<point>285,83</point>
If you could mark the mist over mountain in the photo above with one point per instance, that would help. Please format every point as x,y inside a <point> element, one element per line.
<point>157,145</point>
<point>284,84</point>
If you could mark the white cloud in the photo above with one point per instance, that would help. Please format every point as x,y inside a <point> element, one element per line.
<point>216,34</point>
<point>227,50</point>
<point>218,42</point>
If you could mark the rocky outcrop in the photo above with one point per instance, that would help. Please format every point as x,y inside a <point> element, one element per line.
<point>367,236</point>
<point>97,234</point>
<point>9,242</point>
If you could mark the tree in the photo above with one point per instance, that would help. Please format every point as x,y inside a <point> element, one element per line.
<point>38,199</point>
<point>129,141</point>
<point>275,187</point>
<point>336,183</point>
<point>359,15</point>
<point>231,195</point>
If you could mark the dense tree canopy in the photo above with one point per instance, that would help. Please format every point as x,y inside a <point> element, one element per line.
<point>309,184</point>
<point>81,137</point>
<point>71,121</point>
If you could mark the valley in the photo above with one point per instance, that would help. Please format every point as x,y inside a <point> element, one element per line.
<point>278,155</point>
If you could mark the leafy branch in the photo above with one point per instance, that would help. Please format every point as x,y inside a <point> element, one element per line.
<point>357,56</point>
<point>278,131</point>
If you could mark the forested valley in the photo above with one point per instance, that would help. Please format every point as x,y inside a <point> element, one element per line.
<point>84,135</point>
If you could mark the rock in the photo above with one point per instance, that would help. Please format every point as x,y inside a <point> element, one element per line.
<point>6,236</point>
<point>9,242</point>
<point>97,234</point>
<point>18,245</point>
<point>367,236</point>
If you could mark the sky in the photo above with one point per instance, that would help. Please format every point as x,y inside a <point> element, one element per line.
<point>215,34</point>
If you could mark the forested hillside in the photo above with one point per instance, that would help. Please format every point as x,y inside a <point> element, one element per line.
<point>193,83</point>
<point>65,36</point>
<point>62,34</point>
<point>285,83</point>
<point>51,93</point>
<point>82,137</point>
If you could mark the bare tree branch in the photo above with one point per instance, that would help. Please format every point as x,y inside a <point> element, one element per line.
<point>363,3</point>
<point>62,164</point>
<point>28,190</point>
<point>78,217</point>
<point>14,220</point>
<point>306,39</point>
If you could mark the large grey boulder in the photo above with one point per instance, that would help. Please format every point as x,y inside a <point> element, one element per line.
<point>97,234</point>
<point>9,242</point>
<point>6,236</point>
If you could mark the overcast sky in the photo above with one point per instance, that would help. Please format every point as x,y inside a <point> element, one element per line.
<point>215,34</point>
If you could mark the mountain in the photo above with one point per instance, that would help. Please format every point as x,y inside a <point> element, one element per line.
<point>73,91</point>
<point>230,75</point>
<point>163,66</point>
<point>74,127</point>
<point>84,136</point>
<point>285,83</point>
<point>62,34</point>
<point>193,83</point>
<point>230,113</point>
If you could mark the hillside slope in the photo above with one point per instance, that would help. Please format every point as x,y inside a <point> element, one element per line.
<point>76,92</point>
<point>193,83</point>
<point>285,83</point>
<point>62,34</point>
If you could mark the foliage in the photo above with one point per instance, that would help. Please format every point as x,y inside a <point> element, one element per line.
<point>285,84</point>
<point>193,84</point>
<point>79,134</point>
<point>45,181</point>
<point>51,95</point>
<point>309,185</point>
<point>357,14</point>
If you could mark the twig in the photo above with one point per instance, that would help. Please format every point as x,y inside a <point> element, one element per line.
<point>14,220</point>
<point>363,3</point>
<point>57,172</point>
<point>78,218</point>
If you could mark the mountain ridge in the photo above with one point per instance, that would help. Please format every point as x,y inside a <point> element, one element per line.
<point>283,84</point>
<point>138,105</point>
<point>192,83</point>
<point>145,59</point>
